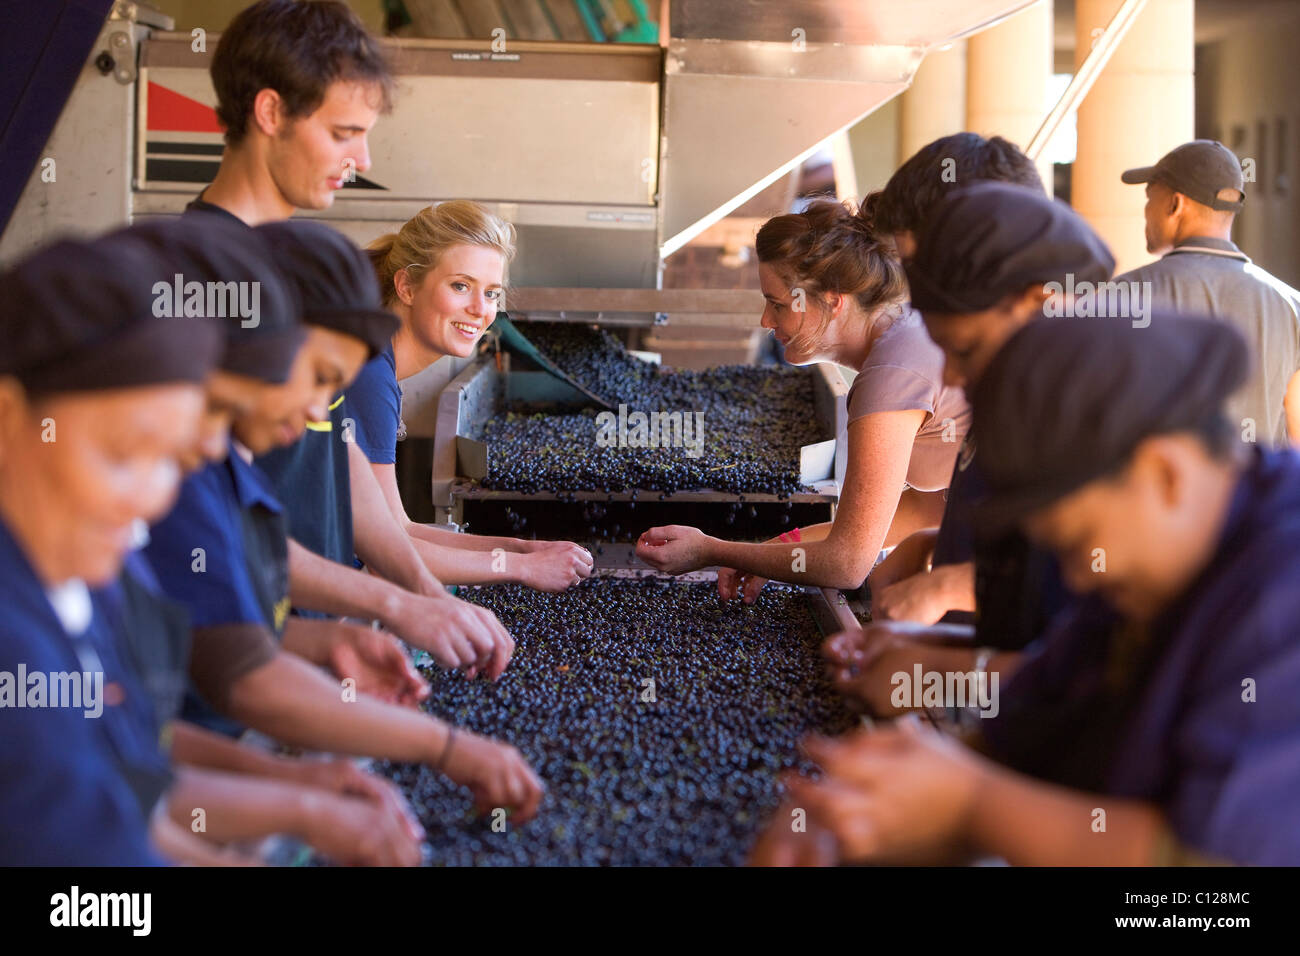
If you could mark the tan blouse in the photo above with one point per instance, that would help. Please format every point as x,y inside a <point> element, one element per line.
<point>904,371</point>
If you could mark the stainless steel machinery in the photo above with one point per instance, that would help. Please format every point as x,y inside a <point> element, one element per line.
<point>606,157</point>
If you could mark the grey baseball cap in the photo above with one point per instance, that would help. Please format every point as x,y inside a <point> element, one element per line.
<point>1198,169</point>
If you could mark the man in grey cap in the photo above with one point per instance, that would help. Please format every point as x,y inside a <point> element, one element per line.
<point>1193,195</point>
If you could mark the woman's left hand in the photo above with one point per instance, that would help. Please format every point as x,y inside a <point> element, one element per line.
<point>674,549</point>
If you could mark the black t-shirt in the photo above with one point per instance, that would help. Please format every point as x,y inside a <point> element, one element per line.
<point>200,206</point>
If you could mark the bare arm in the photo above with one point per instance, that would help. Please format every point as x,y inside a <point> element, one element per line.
<point>911,556</point>
<point>234,808</point>
<point>455,632</point>
<point>454,558</point>
<point>917,511</point>
<point>380,541</point>
<point>295,702</point>
<point>198,747</point>
<point>1031,823</point>
<point>319,584</point>
<point>880,447</point>
<point>470,559</point>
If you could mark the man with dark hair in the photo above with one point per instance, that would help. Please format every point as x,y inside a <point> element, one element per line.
<point>950,162</point>
<point>1193,195</point>
<point>931,574</point>
<point>299,85</point>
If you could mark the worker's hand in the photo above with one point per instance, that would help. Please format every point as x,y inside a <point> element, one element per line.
<point>454,632</point>
<point>893,795</point>
<point>356,831</point>
<point>732,583</point>
<point>922,598</point>
<point>911,556</point>
<point>554,569</point>
<point>377,662</point>
<point>674,549</point>
<point>180,845</point>
<point>791,840</point>
<point>861,663</point>
<point>496,773</point>
<point>342,776</point>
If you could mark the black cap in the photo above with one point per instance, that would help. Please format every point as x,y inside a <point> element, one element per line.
<point>1066,401</point>
<point>259,315</point>
<point>1198,169</point>
<point>990,239</point>
<point>79,316</point>
<point>334,278</point>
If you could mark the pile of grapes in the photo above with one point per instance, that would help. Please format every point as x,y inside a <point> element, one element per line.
<point>751,424</point>
<point>658,717</point>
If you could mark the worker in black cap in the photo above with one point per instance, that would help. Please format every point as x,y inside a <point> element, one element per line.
<point>1193,196</point>
<point>315,478</point>
<point>991,259</point>
<point>229,515</point>
<point>99,396</point>
<point>197,283</point>
<point>1159,720</point>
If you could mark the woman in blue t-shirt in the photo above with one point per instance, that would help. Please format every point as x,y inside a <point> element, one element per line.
<point>443,274</point>
<point>99,398</point>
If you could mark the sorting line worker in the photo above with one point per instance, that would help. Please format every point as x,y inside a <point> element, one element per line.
<point>444,275</point>
<point>1166,696</point>
<point>946,590</point>
<point>835,292</point>
<point>1193,195</point>
<point>230,517</point>
<point>98,396</point>
<point>299,86</point>
<point>346,813</point>
<point>981,270</point>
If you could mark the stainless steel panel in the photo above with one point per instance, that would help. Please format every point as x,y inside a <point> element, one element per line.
<point>860,22</point>
<point>495,139</point>
<point>762,85</point>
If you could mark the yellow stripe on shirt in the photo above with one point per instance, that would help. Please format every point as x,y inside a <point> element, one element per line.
<point>326,426</point>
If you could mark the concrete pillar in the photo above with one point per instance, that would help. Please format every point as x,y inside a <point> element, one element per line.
<point>1008,68</point>
<point>1142,106</point>
<point>935,104</point>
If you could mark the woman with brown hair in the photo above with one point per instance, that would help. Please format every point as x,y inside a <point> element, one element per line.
<point>836,293</point>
